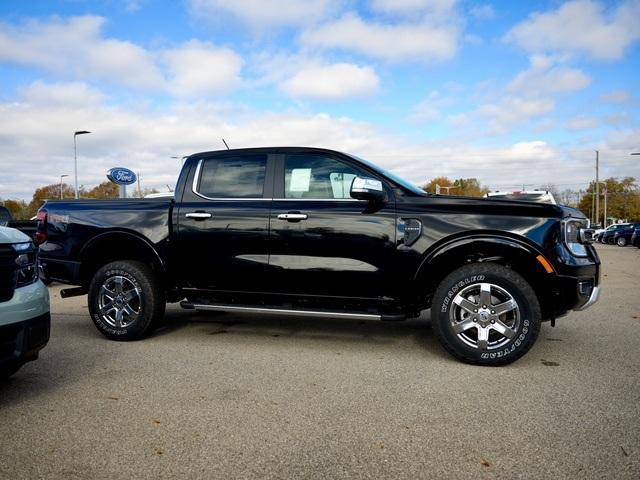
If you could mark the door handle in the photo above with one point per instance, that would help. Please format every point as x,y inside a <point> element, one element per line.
<point>293,217</point>
<point>198,215</point>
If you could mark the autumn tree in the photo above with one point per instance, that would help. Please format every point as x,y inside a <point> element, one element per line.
<point>48,192</point>
<point>17,208</point>
<point>468,187</point>
<point>430,187</point>
<point>623,199</point>
<point>141,194</point>
<point>106,189</point>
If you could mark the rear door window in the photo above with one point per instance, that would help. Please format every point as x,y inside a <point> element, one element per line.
<point>233,177</point>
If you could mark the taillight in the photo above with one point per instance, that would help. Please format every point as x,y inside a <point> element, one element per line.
<point>41,233</point>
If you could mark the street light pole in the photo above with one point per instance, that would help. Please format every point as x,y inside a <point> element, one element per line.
<point>75,158</point>
<point>61,177</point>
<point>597,186</point>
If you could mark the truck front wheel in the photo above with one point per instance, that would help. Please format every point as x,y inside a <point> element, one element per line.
<point>126,300</point>
<point>485,314</point>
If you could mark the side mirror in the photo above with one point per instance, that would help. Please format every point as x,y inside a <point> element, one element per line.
<point>367,189</point>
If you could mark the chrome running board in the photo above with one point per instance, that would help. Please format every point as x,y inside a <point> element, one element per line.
<point>289,312</point>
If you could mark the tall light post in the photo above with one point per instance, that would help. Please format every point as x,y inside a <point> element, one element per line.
<point>597,216</point>
<point>75,157</point>
<point>61,177</point>
<point>606,191</point>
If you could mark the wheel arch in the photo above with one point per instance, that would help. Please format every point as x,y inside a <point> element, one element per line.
<point>117,245</point>
<point>516,254</point>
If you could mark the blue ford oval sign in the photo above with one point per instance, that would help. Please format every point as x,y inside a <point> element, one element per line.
<point>121,176</point>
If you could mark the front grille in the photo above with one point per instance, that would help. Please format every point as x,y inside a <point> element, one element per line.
<point>7,272</point>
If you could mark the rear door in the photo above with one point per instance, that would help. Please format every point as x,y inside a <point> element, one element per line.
<point>323,242</point>
<point>223,223</point>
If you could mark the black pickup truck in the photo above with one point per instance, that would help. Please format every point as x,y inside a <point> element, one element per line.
<point>308,231</point>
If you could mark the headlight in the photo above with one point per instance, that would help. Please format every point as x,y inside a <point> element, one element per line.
<point>26,264</point>
<point>576,235</point>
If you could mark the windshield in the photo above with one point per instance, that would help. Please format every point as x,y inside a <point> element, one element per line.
<point>400,181</point>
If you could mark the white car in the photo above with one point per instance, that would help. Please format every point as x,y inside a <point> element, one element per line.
<point>24,302</point>
<point>538,196</point>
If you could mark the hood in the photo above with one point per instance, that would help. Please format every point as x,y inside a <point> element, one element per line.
<point>11,235</point>
<point>572,212</point>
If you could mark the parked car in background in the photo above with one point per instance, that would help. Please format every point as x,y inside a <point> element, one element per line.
<point>539,196</point>
<point>24,302</point>
<point>28,227</point>
<point>610,232</point>
<point>314,232</point>
<point>622,237</point>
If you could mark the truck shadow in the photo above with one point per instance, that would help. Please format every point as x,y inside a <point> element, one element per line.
<point>312,331</point>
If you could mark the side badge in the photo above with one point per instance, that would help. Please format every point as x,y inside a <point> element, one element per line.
<point>412,229</point>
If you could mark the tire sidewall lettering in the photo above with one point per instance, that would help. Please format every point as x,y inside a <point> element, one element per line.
<point>506,350</point>
<point>99,320</point>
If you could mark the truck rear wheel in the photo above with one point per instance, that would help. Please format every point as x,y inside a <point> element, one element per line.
<point>126,300</point>
<point>485,314</point>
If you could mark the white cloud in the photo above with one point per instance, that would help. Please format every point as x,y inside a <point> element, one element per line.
<point>199,68</point>
<point>74,47</point>
<point>261,13</point>
<point>617,97</point>
<point>437,7</point>
<point>69,94</point>
<point>543,77</point>
<point>332,82</point>
<point>417,42</point>
<point>35,152</point>
<point>483,12</point>
<point>582,27</point>
<point>582,122</point>
<point>513,111</point>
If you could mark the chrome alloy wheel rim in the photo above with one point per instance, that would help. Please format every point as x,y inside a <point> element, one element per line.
<point>485,316</point>
<point>119,301</point>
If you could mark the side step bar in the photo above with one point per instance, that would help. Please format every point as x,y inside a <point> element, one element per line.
<point>290,312</point>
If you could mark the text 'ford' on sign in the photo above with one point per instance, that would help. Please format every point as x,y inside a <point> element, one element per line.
<point>121,176</point>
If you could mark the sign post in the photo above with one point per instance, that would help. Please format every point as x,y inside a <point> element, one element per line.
<point>122,177</point>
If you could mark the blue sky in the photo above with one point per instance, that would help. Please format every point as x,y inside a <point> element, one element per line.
<point>509,92</point>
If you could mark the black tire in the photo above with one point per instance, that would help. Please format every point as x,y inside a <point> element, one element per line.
<point>144,310</point>
<point>523,322</point>
<point>7,370</point>
<point>621,242</point>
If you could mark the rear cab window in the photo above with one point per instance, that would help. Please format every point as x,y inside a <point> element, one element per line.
<point>232,177</point>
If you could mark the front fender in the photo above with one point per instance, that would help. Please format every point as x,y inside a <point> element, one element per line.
<point>494,246</point>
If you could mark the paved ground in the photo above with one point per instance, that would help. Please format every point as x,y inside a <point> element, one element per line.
<point>233,396</point>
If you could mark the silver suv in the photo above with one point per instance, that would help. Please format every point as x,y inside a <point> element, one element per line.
<point>24,302</point>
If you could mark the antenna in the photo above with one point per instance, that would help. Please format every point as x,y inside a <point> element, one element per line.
<point>225,144</point>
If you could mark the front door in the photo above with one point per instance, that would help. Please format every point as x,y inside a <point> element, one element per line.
<point>223,223</point>
<point>323,242</point>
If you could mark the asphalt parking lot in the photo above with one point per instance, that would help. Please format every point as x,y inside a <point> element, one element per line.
<point>238,396</point>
